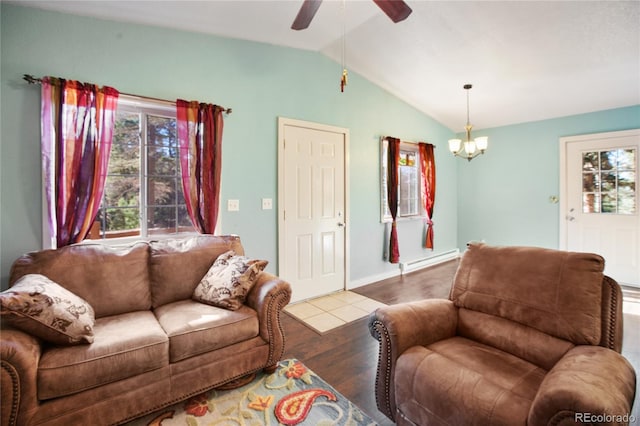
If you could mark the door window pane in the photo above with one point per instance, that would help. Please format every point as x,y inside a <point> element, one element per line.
<point>609,180</point>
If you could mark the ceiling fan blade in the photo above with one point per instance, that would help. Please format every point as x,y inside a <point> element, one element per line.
<point>306,14</point>
<point>397,10</point>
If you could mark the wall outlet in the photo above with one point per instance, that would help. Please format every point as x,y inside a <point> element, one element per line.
<point>267,204</point>
<point>233,205</point>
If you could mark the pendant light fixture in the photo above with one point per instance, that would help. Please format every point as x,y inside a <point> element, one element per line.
<point>470,148</point>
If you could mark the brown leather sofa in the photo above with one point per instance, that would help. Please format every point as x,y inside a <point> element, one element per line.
<point>528,336</point>
<point>153,344</point>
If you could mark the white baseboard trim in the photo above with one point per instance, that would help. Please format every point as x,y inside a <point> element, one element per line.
<point>373,279</point>
<point>424,263</point>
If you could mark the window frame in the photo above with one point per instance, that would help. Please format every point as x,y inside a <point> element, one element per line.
<point>385,215</point>
<point>145,108</point>
<point>133,104</point>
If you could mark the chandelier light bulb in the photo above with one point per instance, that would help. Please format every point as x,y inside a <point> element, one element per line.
<point>482,142</point>
<point>470,147</point>
<point>454,145</point>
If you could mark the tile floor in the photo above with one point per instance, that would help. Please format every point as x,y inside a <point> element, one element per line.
<point>328,312</point>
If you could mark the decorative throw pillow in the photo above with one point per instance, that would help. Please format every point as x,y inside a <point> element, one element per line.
<point>228,281</point>
<point>45,309</point>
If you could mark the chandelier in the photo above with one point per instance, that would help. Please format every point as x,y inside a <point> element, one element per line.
<point>470,148</point>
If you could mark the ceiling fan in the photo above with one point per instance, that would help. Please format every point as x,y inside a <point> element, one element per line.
<point>397,10</point>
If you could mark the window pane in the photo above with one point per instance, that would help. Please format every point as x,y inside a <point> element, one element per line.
<point>122,219</point>
<point>161,220</point>
<point>608,159</point>
<point>627,159</point>
<point>590,203</point>
<point>162,161</point>
<point>184,223</point>
<point>590,161</point>
<point>122,191</point>
<point>124,159</point>
<point>161,191</point>
<point>409,184</point>
<point>126,129</point>
<point>161,131</point>
<point>180,193</point>
<point>589,182</point>
<point>609,202</point>
<point>627,193</point>
<point>627,182</point>
<point>608,181</point>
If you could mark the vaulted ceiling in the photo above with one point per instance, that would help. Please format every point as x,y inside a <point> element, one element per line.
<point>527,60</point>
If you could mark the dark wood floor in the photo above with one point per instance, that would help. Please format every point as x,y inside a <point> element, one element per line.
<point>347,356</point>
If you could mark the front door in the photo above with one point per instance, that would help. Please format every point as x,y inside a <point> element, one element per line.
<point>602,211</point>
<point>311,207</point>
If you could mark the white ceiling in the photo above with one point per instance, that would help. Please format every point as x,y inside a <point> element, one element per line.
<point>527,60</point>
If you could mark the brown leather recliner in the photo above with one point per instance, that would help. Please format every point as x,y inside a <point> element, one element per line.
<point>528,336</point>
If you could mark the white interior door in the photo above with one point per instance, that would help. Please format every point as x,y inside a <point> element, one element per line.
<point>601,209</point>
<point>312,207</point>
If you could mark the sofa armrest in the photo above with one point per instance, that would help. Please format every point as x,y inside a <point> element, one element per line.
<point>268,297</point>
<point>588,381</point>
<point>19,358</point>
<point>399,327</point>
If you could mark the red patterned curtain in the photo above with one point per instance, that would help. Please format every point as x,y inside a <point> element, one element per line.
<point>77,121</point>
<point>393,157</point>
<point>428,168</point>
<point>200,135</point>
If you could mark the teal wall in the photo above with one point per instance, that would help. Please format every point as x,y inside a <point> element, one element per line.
<point>503,196</point>
<point>260,82</point>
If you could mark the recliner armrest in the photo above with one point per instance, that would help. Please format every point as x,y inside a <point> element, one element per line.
<point>19,357</point>
<point>399,327</point>
<point>268,297</point>
<point>589,384</point>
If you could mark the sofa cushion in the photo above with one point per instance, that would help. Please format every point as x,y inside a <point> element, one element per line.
<point>125,345</point>
<point>194,328</point>
<point>176,266</point>
<point>556,292</point>
<point>39,306</point>
<point>114,280</point>
<point>228,281</point>
<point>460,379</point>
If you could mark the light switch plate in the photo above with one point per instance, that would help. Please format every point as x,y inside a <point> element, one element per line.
<point>233,205</point>
<point>267,204</point>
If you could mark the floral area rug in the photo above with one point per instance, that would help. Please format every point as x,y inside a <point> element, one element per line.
<point>293,395</point>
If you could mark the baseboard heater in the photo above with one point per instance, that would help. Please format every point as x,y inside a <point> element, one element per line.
<point>414,265</point>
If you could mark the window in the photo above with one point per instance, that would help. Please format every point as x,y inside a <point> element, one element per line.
<point>609,181</point>
<point>143,191</point>
<point>409,183</point>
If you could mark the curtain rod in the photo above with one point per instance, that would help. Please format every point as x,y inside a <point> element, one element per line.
<point>34,80</point>
<point>384,138</point>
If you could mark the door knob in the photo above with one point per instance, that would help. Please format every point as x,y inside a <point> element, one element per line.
<point>340,224</point>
